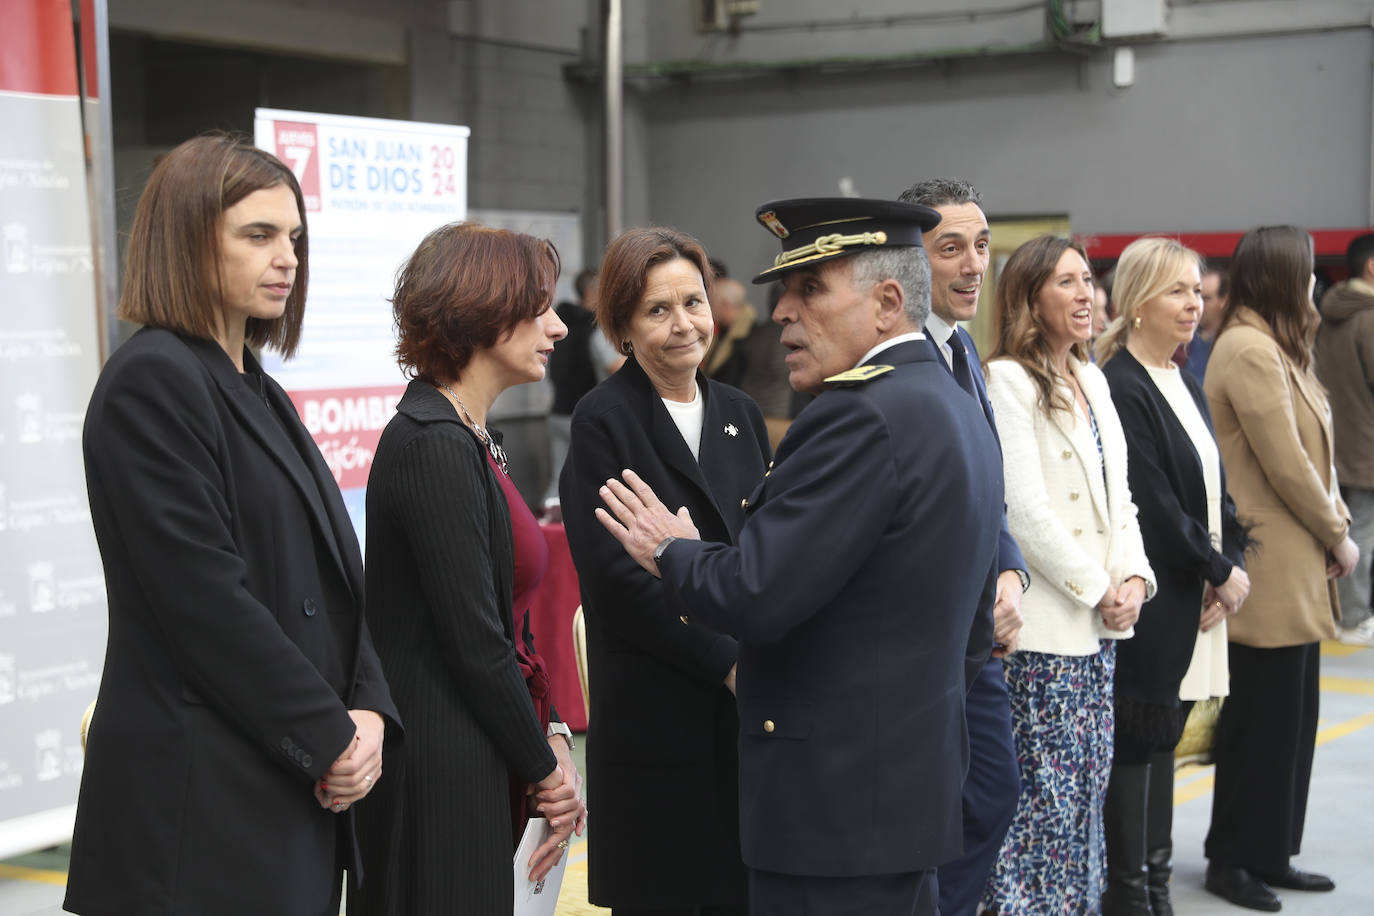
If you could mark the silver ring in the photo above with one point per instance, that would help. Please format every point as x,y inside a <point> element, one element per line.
<point>368,780</point>
<point>340,805</point>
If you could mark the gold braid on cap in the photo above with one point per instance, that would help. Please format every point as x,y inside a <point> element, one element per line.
<point>830,244</point>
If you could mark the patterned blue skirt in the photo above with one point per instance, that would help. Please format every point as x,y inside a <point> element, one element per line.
<point>1054,856</point>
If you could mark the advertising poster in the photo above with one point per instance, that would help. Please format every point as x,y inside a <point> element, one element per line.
<point>52,591</point>
<point>373,188</point>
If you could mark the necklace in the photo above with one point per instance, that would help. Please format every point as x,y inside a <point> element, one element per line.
<point>497,452</point>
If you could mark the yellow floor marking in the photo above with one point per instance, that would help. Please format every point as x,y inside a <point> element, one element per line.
<point>1360,686</point>
<point>1333,649</point>
<point>37,875</point>
<point>1196,787</point>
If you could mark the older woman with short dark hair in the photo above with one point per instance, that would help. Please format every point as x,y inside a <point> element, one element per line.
<point>453,559</point>
<point>662,703</point>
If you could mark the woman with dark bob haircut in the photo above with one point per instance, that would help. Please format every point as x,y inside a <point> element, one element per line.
<point>454,557</point>
<point>1273,427</point>
<point>662,686</point>
<point>242,709</point>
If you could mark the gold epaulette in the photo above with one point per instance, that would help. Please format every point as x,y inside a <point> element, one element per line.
<point>856,377</point>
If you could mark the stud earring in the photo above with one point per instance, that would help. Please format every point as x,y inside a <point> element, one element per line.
<point>1135,322</point>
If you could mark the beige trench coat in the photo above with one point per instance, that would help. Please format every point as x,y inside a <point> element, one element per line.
<point>1273,427</point>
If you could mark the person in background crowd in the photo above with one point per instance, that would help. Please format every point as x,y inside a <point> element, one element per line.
<point>572,368</point>
<point>662,685</point>
<point>1274,429</point>
<point>747,354</point>
<point>454,557</point>
<point>1100,319</point>
<point>1345,364</point>
<point>1215,287</point>
<point>734,319</point>
<point>242,709</point>
<point>1195,544</point>
<point>1069,508</point>
<point>850,693</point>
<point>958,249</point>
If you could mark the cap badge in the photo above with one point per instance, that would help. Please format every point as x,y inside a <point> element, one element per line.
<point>830,244</point>
<point>773,224</point>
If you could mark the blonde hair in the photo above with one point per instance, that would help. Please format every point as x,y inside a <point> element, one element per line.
<point>1147,268</point>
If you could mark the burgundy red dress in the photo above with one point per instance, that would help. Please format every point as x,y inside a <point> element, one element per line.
<point>531,562</point>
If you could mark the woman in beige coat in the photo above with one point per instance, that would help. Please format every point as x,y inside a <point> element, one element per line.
<point>1274,430</point>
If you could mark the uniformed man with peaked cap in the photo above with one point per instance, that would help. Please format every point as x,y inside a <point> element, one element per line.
<point>855,586</point>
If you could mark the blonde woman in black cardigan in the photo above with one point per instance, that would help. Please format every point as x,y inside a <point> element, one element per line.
<point>1195,544</point>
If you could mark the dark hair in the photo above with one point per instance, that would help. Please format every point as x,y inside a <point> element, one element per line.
<point>625,268</point>
<point>940,192</point>
<point>1270,271</point>
<point>1223,280</point>
<point>171,274</point>
<point>583,281</point>
<point>1021,335</point>
<point>718,269</point>
<point>465,286</point>
<point>1358,253</point>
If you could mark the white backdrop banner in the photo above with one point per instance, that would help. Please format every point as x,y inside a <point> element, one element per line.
<point>373,188</point>
<point>52,592</point>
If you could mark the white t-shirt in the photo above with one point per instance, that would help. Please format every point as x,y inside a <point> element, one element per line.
<point>689,417</point>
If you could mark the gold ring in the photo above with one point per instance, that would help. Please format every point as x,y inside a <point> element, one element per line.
<point>562,844</point>
<point>1218,604</point>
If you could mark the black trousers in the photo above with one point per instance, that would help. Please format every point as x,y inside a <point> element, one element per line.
<point>1264,743</point>
<point>906,894</point>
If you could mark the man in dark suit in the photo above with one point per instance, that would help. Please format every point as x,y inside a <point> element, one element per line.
<point>958,249</point>
<point>856,581</point>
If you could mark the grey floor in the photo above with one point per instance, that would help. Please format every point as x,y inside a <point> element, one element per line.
<point>1339,838</point>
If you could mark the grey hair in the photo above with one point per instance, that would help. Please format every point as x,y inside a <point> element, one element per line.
<point>907,265</point>
<point>940,192</point>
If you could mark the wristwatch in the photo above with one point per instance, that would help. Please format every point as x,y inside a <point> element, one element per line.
<point>1025,579</point>
<point>662,546</point>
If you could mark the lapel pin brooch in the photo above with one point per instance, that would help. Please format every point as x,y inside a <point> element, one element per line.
<point>731,429</point>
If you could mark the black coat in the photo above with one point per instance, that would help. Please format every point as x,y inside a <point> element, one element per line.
<point>1166,482</point>
<point>236,644</point>
<point>660,713</point>
<point>436,832</point>
<point>853,590</point>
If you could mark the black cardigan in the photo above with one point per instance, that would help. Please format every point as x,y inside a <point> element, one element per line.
<point>1167,487</point>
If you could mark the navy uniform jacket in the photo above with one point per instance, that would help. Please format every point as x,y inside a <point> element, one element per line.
<point>853,592</point>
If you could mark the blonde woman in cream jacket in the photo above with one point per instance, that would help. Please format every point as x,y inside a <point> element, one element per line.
<point>1069,507</point>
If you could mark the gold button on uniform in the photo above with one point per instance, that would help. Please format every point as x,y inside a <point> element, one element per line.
<point>1067,454</point>
<point>744,503</point>
<point>768,726</point>
<point>1073,495</point>
<point>683,618</point>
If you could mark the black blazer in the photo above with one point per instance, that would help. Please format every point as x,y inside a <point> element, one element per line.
<point>436,833</point>
<point>1166,482</point>
<point>236,643</point>
<point>659,708</point>
<point>853,590</point>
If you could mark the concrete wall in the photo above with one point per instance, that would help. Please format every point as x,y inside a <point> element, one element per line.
<point>1213,135</point>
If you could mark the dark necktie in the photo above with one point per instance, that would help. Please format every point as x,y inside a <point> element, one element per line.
<point>960,364</point>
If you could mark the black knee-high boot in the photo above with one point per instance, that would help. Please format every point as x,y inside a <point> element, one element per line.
<point>1159,840</point>
<point>1123,818</point>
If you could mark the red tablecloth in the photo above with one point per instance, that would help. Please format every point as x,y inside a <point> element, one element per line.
<point>551,621</point>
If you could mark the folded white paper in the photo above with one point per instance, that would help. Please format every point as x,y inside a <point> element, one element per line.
<point>536,898</point>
